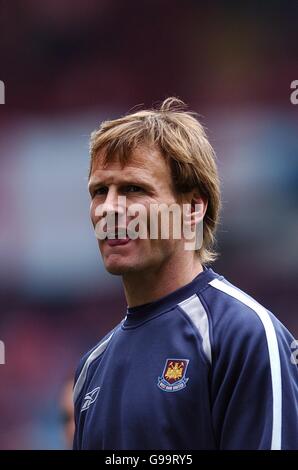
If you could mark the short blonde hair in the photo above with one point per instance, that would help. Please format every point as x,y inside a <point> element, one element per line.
<point>182,141</point>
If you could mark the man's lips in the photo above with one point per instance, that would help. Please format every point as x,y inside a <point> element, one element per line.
<point>118,237</point>
<point>117,241</point>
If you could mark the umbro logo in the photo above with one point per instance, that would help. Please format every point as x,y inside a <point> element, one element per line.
<point>90,398</point>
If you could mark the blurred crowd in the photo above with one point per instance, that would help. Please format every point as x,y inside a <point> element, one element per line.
<point>74,53</point>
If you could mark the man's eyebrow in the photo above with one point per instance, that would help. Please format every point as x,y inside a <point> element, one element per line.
<point>133,180</point>
<point>96,182</point>
<point>93,184</point>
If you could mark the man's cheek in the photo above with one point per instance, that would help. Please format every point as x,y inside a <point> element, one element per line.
<point>95,211</point>
<point>92,215</point>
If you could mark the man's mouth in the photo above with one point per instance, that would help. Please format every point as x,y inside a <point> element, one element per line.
<point>117,237</point>
<point>118,241</point>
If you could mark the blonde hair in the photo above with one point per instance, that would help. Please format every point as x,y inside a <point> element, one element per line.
<point>182,140</point>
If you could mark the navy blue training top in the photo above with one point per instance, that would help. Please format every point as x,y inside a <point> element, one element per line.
<point>205,367</point>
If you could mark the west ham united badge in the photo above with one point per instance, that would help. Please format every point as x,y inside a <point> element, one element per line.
<point>173,376</point>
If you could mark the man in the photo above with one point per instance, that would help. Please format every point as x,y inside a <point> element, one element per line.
<point>196,363</point>
<point>67,412</point>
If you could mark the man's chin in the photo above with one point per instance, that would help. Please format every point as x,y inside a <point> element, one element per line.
<point>118,269</point>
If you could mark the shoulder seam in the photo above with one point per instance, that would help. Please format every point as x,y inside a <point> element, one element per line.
<point>273,350</point>
<point>196,313</point>
<point>97,352</point>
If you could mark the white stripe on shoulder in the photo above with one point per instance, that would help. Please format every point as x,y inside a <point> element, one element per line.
<point>274,357</point>
<point>82,377</point>
<point>193,307</point>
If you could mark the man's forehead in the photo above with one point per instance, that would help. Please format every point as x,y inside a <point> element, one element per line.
<point>141,160</point>
<point>116,172</point>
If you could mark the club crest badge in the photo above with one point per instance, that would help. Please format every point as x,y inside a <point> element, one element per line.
<point>173,376</point>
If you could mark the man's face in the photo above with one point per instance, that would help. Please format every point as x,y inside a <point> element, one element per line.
<point>145,180</point>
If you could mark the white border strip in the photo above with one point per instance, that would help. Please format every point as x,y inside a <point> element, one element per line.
<point>274,357</point>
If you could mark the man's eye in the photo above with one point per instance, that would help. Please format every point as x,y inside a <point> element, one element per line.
<point>132,189</point>
<point>99,191</point>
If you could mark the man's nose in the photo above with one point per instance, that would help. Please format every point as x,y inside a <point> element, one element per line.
<point>109,206</point>
<point>113,204</point>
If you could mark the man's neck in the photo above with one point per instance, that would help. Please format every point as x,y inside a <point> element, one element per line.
<point>145,287</point>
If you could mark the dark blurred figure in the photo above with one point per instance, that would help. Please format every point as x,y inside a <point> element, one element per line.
<point>67,412</point>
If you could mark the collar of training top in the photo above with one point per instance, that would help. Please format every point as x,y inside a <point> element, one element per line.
<point>142,313</point>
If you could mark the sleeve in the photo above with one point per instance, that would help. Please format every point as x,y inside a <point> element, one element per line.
<point>254,384</point>
<point>80,383</point>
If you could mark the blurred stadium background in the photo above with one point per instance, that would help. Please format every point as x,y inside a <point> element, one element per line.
<point>68,64</point>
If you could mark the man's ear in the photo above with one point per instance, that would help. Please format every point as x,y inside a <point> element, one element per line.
<point>199,206</point>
